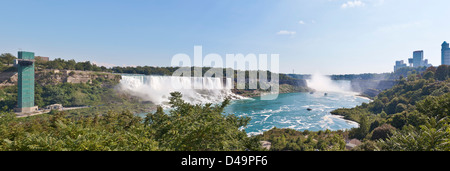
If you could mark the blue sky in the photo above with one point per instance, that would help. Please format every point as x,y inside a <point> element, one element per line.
<point>326,36</point>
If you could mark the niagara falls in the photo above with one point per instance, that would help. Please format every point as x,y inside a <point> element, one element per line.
<point>157,89</point>
<point>289,110</point>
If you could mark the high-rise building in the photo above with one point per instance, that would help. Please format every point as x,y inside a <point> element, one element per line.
<point>416,61</point>
<point>418,58</point>
<point>25,103</point>
<point>445,54</point>
<point>399,64</point>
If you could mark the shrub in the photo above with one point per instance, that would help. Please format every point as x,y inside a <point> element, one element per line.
<point>382,132</point>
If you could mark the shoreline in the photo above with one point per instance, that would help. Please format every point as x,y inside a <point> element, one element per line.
<point>364,96</point>
<point>284,89</point>
<point>336,116</point>
<point>346,120</point>
<point>257,93</point>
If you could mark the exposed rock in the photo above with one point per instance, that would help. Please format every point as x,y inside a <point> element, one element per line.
<point>371,92</point>
<point>370,85</point>
<point>72,76</point>
<point>350,144</point>
<point>59,76</point>
<point>266,144</point>
<point>8,78</point>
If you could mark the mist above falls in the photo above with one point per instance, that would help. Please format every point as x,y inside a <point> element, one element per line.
<point>322,83</point>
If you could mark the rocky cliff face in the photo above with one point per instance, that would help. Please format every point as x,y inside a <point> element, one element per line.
<point>72,76</point>
<point>53,77</point>
<point>362,85</point>
<point>372,87</point>
<point>8,78</point>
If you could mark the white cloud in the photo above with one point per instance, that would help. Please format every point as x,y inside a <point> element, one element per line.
<point>353,4</point>
<point>301,22</point>
<point>286,32</point>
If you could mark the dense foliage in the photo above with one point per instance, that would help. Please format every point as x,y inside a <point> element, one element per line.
<point>366,76</point>
<point>412,115</point>
<point>197,127</point>
<point>67,94</point>
<point>402,72</point>
<point>187,127</point>
<point>292,140</point>
<point>111,132</point>
<point>404,96</point>
<point>6,59</point>
<point>62,64</point>
<point>432,136</point>
<point>72,95</point>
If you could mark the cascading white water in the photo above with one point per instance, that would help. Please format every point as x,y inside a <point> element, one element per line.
<point>324,83</point>
<point>195,90</point>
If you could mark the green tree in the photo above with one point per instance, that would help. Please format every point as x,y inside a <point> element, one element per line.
<point>442,72</point>
<point>435,106</point>
<point>363,130</point>
<point>382,132</point>
<point>399,120</point>
<point>115,131</point>
<point>433,136</point>
<point>71,64</point>
<point>376,106</point>
<point>428,75</point>
<point>7,58</point>
<point>199,127</point>
<point>400,108</point>
<point>391,107</point>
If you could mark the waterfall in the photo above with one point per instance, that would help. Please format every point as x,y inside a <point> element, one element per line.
<point>195,90</point>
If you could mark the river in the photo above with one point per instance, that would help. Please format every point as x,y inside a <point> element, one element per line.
<point>290,111</point>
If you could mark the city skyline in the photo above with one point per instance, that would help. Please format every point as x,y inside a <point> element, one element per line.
<point>417,60</point>
<point>326,36</point>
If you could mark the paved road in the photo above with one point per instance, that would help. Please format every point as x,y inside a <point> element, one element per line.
<point>40,112</point>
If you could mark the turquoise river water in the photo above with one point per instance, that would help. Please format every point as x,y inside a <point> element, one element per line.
<point>290,111</point>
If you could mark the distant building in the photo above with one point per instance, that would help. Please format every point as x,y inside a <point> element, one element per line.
<point>55,107</point>
<point>399,64</point>
<point>445,53</point>
<point>417,60</point>
<point>410,62</point>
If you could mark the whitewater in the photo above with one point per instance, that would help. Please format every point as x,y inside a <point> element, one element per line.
<point>291,110</point>
<point>287,111</point>
<point>195,90</point>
